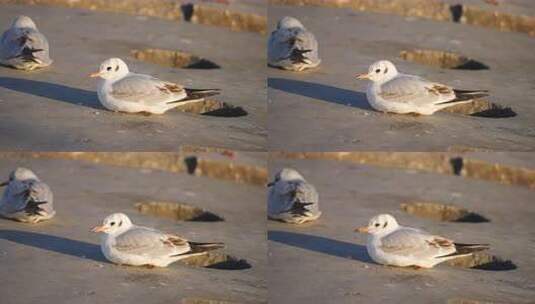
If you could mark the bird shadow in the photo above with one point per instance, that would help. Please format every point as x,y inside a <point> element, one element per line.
<point>321,91</point>
<point>53,243</point>
<point>321,244</point>
<point>53,91</point>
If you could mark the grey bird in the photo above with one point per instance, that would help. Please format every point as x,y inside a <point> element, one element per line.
<point>292,47</point>
<point>292,199</point>
<point>26,198</point>
<point>23,47</point>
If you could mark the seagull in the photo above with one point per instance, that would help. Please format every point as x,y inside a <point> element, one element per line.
<point>394,92</point>
<point>391,244</point>
<point>292,199</point>
<point>23,47</point>
<point>292,47</point>
<point>124,243</point>
<point>26,198</point>
<point>119,90</point>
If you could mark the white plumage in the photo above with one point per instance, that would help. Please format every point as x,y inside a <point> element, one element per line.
<point>394,92</point>
<point>391,244</point>
<point>119,90</point>
<point>128,244</point>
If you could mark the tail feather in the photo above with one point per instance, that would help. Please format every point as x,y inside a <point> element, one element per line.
<point>197,94</point>
<point>197,248</point>
<point>466,95</point>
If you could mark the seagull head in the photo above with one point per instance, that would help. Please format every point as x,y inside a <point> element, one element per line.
<point>23,22</point>
<point>380,71</point>
<point>379,224</point>
<point>289,22</point>
<point>286,174</point>
<point>113,68</point>
<point>20,174</point>
<point>114,224</point>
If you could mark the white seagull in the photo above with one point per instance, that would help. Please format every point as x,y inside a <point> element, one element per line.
<point>119,90</point>
<point>391,244</point>
<point>26,198</point>
<point>124,243</point>
<point>394,92</point>
<point>292,47</point>
<point>23,47</point>
<point>292,199</point>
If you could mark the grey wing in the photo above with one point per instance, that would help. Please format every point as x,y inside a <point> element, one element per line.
<point>281,197</point>
<point>278,46</point>
<point>147,242</point>
<point>306,41</point>
<point>15,198</point>
<point>40,198</point>
<point>415,90</point>
<point>11,44</point>
<point>306,199</point>
<point>146,89</point>
<point>37,42</point>
<point>410,242</point>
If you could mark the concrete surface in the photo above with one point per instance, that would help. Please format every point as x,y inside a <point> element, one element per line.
<point>326,262</point>
<point>57,108</point>
<point>515,7</point>
<point>60,261</point>
<point>327,110</point>
<point>257,7</point>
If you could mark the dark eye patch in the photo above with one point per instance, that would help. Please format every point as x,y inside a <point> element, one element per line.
<point>386,71</point>
<point>112,223</point>
<point>116,68</point>
<point>377,224</point>
<point>108,68</point>
<point>386,223</point>
<point>378,70</point>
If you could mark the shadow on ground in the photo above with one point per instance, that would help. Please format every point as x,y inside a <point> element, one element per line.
<point>54,243</point>
<point>53,91</point>
<point>320,244</point>
<point>321,91</point>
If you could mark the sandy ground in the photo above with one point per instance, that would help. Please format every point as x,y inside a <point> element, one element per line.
<point>326,262</point>
<point>60,261</point>
<point>57,108</point>
<point>327,110</point>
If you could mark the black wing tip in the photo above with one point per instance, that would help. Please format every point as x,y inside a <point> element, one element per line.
<point>197,247</point>
<point>298,56</point>
<point>197,94</point>
<point>471,245</point>
<point>27,54</point>
<point>469,91</point>
<point>461,97</point>
<point>303,204</point>
<point>201,90</point>
<point>299,208</point>
<point>206,243</point>
<point>32,207</point>
<point>200,93</point>
<point>462,249</point>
